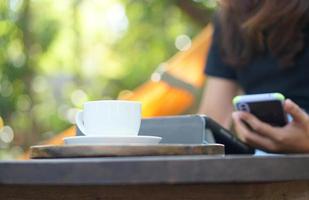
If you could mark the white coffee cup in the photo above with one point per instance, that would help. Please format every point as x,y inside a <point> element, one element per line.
<point>110,118</point>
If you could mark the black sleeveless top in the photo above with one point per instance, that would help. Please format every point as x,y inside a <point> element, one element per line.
<point>263,74</point>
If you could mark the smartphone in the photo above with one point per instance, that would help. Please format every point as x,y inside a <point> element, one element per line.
<point>232,144</point>
<point>266,107</point>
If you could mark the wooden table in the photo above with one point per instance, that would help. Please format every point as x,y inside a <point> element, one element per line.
<point>167,177</point>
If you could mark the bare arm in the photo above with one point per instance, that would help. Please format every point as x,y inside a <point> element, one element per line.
<point>217,99</point>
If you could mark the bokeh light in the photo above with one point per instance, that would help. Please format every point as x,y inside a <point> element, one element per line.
<point>183,42</point>
<point>24,103</point>
<point>39,84</point>
<point>78,97</point>
<point>6,134</point>
<point>71,113</point>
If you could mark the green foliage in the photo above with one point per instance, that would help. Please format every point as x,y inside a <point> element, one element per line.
<point>55,56</point>
<point>150,37</point>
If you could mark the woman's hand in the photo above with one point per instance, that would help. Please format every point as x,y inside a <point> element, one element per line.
<point>292,138</point>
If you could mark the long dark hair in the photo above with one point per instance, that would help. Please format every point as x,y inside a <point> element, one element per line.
<point>252,27</point>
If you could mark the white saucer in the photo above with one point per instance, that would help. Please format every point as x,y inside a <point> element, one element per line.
<point>102,140</point>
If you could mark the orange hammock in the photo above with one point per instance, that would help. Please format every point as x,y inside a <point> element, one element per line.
<point>174,90</point>
<point>181,78</point>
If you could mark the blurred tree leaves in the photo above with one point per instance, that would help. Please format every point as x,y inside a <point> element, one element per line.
<point>54,56</point>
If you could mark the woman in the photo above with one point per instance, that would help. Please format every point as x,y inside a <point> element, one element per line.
<point>261,46</point>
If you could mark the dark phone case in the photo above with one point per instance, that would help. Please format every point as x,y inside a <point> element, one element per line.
<point>221,135</point>
<point>270,112</point>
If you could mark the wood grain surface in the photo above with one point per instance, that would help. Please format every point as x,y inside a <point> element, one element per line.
<point>78,151</point>
<point>250,191</point>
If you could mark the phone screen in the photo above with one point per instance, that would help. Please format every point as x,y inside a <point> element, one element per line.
<point>268,111</point>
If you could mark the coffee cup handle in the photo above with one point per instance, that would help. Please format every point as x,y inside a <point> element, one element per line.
<point>80,122</point>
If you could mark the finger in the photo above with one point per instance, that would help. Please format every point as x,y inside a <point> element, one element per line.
<point>240,131</point>
<point>297,113</point>
<point>251,138</point>
<point>258,126</point>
